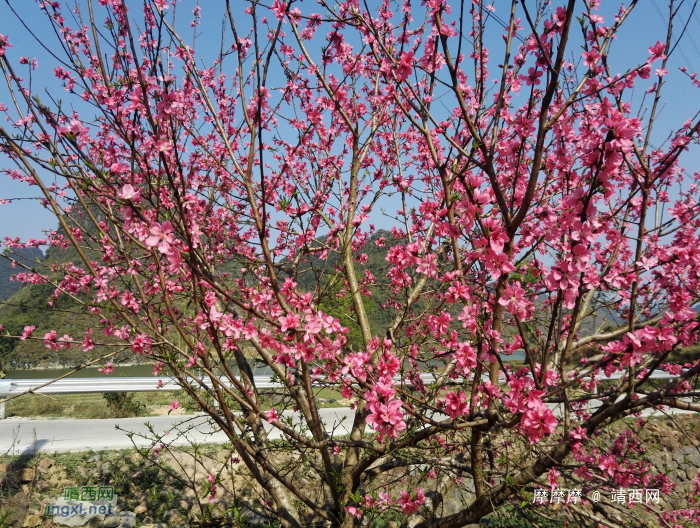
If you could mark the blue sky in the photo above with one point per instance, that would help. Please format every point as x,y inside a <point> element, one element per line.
<point>26,218</point>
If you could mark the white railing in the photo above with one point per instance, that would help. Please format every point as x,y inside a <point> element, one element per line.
<point>13,387</point>
<point>87,385</point>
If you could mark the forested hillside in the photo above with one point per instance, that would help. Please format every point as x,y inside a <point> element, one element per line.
<point>29,305</point>
<point>328,274</point>
<point>9,287</point>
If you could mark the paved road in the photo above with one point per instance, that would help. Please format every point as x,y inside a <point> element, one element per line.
<point>17,434</point>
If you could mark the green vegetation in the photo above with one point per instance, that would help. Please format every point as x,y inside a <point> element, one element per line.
<point>123,404</point>
<point>685,355</point>
<point>523,516</point>
<point>114,405</point>
<point>327,273</point>
<point>8,287</point>
<point>28,305</point>
<point>343,309</point>
<point>134,482</point>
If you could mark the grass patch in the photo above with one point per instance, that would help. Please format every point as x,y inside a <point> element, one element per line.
<point>84,406</point>
<point>122,405</point>
<point>685,355</point>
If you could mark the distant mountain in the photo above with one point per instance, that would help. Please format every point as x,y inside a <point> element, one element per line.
<point>8,287</point>
<point>327,277</point>
<point>28,305</point>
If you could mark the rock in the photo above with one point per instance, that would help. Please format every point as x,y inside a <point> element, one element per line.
<point>141,496</point>
<point>250,516</point>
<point>125,519</point>
<point>3,468</point>
<point>154,525</point>
<point>17,512</point>
<point>128,522</point>
<point>679,457</point>
<point>46,463</point>
<point>253,519</point>
<point>678,475</point>
<point>128,519</point>
<point>14,517</point>
<point>457,497</point>
<point>27,475</point>
<point>176,521</point>
<point>692,456</point>
<point>42,486</point>
<point>112,521</point>
<point>183,504</point>
<point>88,514</point>
<point>195,513</point>
<point>31,521</point>
<point>140,509</point>
<point>655,461</point>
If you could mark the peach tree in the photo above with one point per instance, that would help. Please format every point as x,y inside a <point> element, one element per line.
<point>536,267</point>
